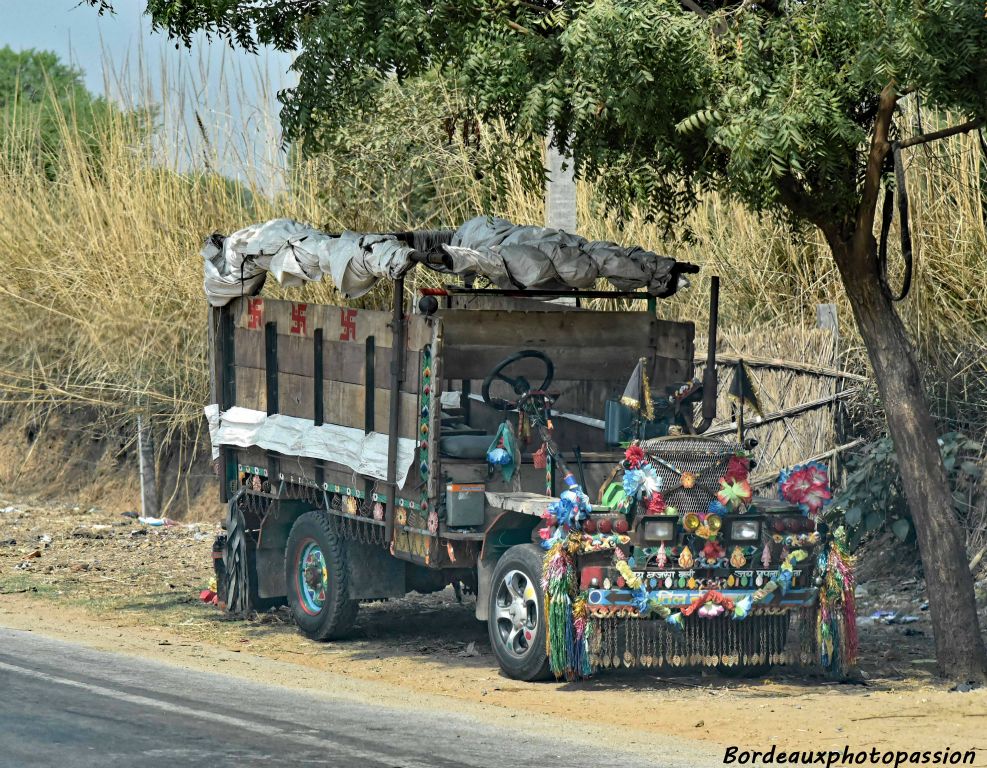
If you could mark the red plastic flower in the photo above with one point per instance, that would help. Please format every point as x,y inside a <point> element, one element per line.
<point>807,486</point>
<point>713,550</point>
<point>635,456</point>
<point>738,469</point>
<point>656,504</point>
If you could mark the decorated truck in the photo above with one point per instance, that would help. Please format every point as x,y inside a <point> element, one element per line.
<point>494,432</point>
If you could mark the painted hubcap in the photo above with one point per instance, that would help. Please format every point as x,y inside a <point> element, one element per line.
<point>517,613</point>
<point>313,578</point>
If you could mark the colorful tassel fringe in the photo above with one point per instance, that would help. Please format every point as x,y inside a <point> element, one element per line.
<point>836,624</point>
<point>565,615</point>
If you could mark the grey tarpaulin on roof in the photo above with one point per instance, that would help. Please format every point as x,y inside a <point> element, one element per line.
<point>513,256</point>
<point>510,256</point>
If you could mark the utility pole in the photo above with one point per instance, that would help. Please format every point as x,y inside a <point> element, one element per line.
<point>145,454</point>
<point>560,190</point>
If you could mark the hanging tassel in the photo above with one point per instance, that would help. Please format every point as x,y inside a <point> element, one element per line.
<point>837,622</point>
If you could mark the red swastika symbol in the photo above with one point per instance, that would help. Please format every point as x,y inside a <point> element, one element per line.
<point>298,318</point>
<point>255,313</point>
<point>347,321</point>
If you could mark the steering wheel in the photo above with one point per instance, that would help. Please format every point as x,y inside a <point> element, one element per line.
<point>519,384</point>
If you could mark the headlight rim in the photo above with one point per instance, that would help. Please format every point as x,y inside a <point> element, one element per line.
<point>657,521</point>
<point>756,535</point>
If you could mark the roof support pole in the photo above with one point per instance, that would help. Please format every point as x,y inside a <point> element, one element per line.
<point>394,417</point>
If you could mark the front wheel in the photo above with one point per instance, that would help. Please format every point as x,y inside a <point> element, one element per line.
<point>317,575</point>
<point>516,622</point>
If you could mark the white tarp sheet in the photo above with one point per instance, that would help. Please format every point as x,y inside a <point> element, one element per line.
<point>365,454</point>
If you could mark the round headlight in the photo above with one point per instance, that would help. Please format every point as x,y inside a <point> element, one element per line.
<point>714,523</point>
<point>691,521</point>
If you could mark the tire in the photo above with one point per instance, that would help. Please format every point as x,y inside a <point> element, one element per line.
<point>319,603</point>
<point>516,624</point>
<point>236,579</point>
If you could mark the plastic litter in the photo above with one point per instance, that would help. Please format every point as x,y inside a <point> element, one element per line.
<point>155,521</point>
<point>881,615</point>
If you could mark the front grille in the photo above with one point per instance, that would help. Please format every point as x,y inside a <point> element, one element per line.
<point>706,458</point>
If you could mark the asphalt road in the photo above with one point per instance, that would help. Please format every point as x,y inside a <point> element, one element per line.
<point>68,706</point>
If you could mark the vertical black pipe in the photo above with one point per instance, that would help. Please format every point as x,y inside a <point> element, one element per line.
<point>370,386</point>
<point>271,366</point>
<point>318,381</point>
<point>226,391</point>
<point>709,375</point>
<point>397,377</point>
<point>318,417</point>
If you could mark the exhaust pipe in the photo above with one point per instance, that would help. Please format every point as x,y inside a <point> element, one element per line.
<point>709,375</point>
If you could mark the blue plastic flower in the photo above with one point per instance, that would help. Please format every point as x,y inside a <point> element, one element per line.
<point>499,457</point>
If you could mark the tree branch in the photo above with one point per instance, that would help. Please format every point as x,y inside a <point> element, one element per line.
<point>925,138</point>
<point>863,235</point>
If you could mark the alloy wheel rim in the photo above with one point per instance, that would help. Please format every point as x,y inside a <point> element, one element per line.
<point>516,613</point>
<point>313,578</point>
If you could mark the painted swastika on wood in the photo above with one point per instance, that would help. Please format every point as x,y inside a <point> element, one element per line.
<point>347,324</point>
<point>298,318</point>
<point>255,313</point>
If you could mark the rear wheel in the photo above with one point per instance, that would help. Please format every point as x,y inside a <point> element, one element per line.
<point>236,575</point>
<point>317,577</point>
<point>516,623</point>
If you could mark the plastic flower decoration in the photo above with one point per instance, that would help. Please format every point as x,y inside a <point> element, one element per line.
<point>734,493</point>
<point>656,504</point>
<point>650,482</point>
<point>738,469</point>
<point>499,457</point>
<point>635,456</point>
<point>806,485</point>
<point>632,483</point>
<point>642,482</point>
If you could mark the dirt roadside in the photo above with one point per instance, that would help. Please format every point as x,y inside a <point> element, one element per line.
<point>97,578</point>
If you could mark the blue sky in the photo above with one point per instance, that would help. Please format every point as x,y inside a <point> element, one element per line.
<point>233,92</point>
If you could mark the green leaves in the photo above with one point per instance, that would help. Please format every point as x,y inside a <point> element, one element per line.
<point>655,102</point>
<point>873,497</point>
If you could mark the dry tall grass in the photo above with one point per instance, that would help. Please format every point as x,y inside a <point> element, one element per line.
<point>100,283</point>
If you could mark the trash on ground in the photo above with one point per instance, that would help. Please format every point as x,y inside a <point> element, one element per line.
<point>155,521</point>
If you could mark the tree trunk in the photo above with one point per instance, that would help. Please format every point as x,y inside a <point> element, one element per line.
<point>960,651</point>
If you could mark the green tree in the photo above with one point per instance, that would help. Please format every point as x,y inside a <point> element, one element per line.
<point>788,106</point>
<point>42,101</point>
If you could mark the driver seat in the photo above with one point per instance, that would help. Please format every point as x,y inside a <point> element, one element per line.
<point>458,440</point>
<point>472,447</point>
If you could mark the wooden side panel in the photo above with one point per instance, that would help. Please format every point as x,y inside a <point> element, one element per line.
<point>343,361</point>
<point>251,388</point>
<point>521,329</point>
<point>583,345</point>
<point>590,363</point>
<point>338,323</point>
<point>345,405</point>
